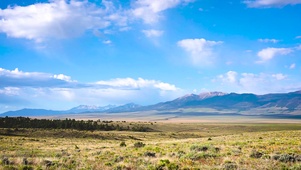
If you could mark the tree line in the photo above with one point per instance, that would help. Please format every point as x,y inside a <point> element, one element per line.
<point>25,122</point>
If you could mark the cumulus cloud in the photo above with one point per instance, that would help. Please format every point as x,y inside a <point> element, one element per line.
<point>150,10</point>
<point>230,76</point>
<point>62,77</point>
<point>130,83</point>
<point>57,89</point>
<point>152,33</point>
<point>60,19</point>
<point>255,83</point>
<point>17,78</point>
<point>200,50</point>
<point>269,53</point>
<point>268,40</point>
<point>57,19</point>
<point>270,3</point>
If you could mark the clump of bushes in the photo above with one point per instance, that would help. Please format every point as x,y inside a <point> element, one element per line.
<point>25,161</point>
<point>275,157</point>
<point>229,165</point>
<point>5,161</point>
<point>139,144</point>
<point>180,154</point>
<point>217,149</point>
<point>286,158</point>
<point>48,163</point>
<point>122,144</point>
<point>298,158</point>
<point>198,148</point>
<point>150,154</point>
<point>118,159</point>
<point>198,156</point>
<point>256,154</point>
<point>166,163</point>
<point>26,167</point>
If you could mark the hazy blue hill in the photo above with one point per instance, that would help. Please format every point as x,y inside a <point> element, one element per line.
<point>31,112</point>
<point>285,102</point>
<point>246,101</point>
<point>89,108</point>
<point>124,108</point>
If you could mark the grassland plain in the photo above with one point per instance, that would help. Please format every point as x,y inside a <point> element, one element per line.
<point>170,146</point>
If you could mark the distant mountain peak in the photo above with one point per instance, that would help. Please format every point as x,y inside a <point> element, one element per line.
<point>82,107</point>
<point>187,95</point>
<point>202,96</point>
<point>89,108</point>
<point>125,107</point>
<point>211,94</point>
<point>278,103</point>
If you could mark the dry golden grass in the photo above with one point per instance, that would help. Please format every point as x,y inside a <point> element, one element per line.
<point>176,146</point>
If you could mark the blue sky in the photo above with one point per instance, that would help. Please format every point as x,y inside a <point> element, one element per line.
<point>58,54</point>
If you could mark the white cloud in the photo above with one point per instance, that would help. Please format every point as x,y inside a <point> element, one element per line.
<point>57,19</point>
<point>10,91</point>
<point>62,77</point>
<point>279,76</point>
<point>130,83</point>
<point>229,77</point>
<point>268,40</point>
<point>152,33</point>
<point>270,3</point>
<point>17,78</point>
<point>292,66</point>
<point>20,74</point>
<point>200,50</point>
<point>150,10</point>
<point>60,91</point>
<point>261,83</point>
<point>165,86</point>
<point>269,53</point>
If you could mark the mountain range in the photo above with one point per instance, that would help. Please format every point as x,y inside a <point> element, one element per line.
<point>217,102</point>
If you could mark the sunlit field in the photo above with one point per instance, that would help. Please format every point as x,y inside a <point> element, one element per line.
<point>169,146</point>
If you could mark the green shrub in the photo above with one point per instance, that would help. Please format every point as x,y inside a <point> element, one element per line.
<point>9,167</point>
<point>256,154</point>
<point>166,164</point>
<point>286,158</point>
<point>150,154</point>
<point>108,164</point>
<point>198,156</point>
<point>139,144</point>
<point>228,165</point>
<point>26,168</point>
<point>198,148</point>
<point>122,144</point>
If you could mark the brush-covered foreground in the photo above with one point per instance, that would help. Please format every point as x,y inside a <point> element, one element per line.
<point>173,146</point>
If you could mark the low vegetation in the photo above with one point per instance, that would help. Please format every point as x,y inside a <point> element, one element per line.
<point>25,122</point>
<point>169,146</point>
